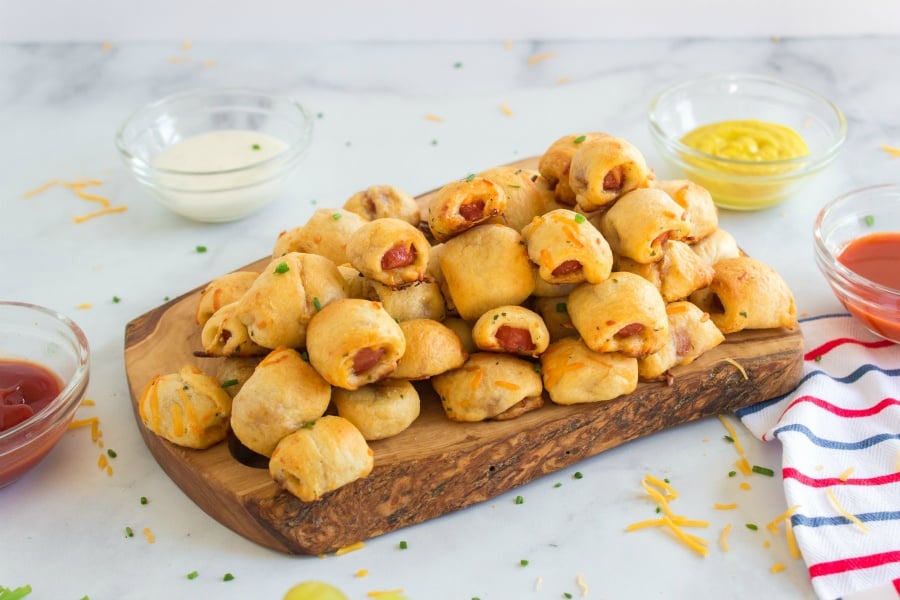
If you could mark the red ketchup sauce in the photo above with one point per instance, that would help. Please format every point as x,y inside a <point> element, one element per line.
<point>25,388</point>
<point>877,258</point>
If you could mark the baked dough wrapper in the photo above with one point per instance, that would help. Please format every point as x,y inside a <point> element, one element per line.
<point>680,273</point>
<point>188,408</point>
<point>221,291</point>
<point>419,300</point>
<point>716,246</point>
<point>527,194</point>
<point>321,457</point>
<point>432,348</point>
<point>640,223</point>
<point>513,329</point>
<point>384,201</point>
<point>461,205</point>
<point>701,213</point>
<point>279,305</point>
<point>603,169</point>
<point>389,251</point>
<point>575,374</point>
<point>567,248</point>
<point>746,293</point>
<point>489,386</point>
<point>556,161</point>
<point>623,314</point>
<point>325,233</point>
<point>380,410</point>
<point>555,313</point>
<point>354,342</point>
<point>691,333</point>
<point>224,334</point>
<point>283,394</point>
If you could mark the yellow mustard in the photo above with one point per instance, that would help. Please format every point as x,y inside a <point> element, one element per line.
<point>748,139</point>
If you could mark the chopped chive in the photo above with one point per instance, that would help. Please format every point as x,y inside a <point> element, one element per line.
<point>228,577</point>
<point>319,115</point>
<point>256,146</point>
<point>728,439</point>
<point>561,307</point>
<point>229,382</point>
<point>870,220</point>
<point>524,562</point>
<point>470,176</point>
<point>818,359</point>
<point>658,510</point>
<point>111,453</point>
<point>116,299</point>
<point>305,356</point>
<point>282,267</point>
<point>567,595</point>
<point>193,575</point>
<point>434,142</point>
<point>743,313</point>
<point>666,479</point>
<point>165,299</point>
<point>520,500</point>
<point>403,545</point>
<point>336,216</point>
<point>129,532</point>
<point>579,218</point>
<point>514,186</point>
<point>537,368</point>
<point>308,425</point>
<point>577,475</point>
<point>752,527</point>
<point>317,304</point>
<point>732,473</point>
<point>556,485</point>
<point>457,65</point>
<point>144,500</point>
<point>763,471</point>
<point>201,249</point>
<point>579,139</point>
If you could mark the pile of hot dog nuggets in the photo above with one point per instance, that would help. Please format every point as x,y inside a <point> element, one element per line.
<point>570,283</point>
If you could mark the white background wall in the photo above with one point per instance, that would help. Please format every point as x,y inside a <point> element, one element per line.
<point>456,20</point>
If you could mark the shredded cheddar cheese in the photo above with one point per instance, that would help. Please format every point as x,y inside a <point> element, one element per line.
<point>434,118</point>
<point>693,542</point>
<point>791,540</point>
<point>723,538</point>
<point>88,402</point>
<point>149,535</point>
<point>767,544</point>
<point>785,516</point>
<point>507,385</point>
<point>506,109</point>
<point>540,57</point>
<point>731,506</point>
<point>377,593</point>
<point>897,467</point>
<point>731,432</point>
<point>361,573</point>
<point>208,63</point>
<point>178,59</point>
<point>84,306</point>
<point>78,188</point>
<point>671,493</point>
<point>745,486</point>
<point>744,466</point>
<point>669,520</point>
<point>846,474</point>
<point>99,213</point>
<point>582,586</point>
<point>508,44</point>
<point>777,568</point>
<point>83,422</point>
<point>187,45</point>
<point>851,517</point>
<point>349,548</point>
<point>894,152</point>
<point>106,47</point>
<point>737,366</point>
<point>563,79</point>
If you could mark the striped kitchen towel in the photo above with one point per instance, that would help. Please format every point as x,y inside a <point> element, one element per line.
<point>840,436</point>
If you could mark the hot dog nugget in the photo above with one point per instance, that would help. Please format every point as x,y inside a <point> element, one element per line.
<point>320,458</point>
<point>691,333</point>
<point>567,248</point>
<point>487,386</point>
<point>527,194</point>
<point>623,314</point>
<point>486,267</point>
<point>603,169</point>
<point>221,291</point>
<point>556,162</point>
<point>390,251</point>
<point>224,334</point>
<point>354,342</point>
<point>461,205</point>
<point>575,374</point>
<point>325,233</point>
<point>384,201</point>
<point>188,408</point>
<point>513,329</point>
<point>680,273</point>
<point>640,223</point>
<point>697,202</point>
<point>283,393</point>
<point>432,348</point>
<point>379,410</point>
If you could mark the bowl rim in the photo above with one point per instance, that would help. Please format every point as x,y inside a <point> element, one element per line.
<point>834,267</point>
<point>814,160</point>
<point>296,147</point>
<point>69,398</point>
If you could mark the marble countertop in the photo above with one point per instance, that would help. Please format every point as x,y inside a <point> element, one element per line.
<point>60,105</point>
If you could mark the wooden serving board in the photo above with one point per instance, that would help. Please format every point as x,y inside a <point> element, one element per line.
<point>438,466</point>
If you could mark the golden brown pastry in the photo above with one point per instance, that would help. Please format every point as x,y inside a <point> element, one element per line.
<point>697,202</point>
<point>291,289</point>
<point>556,161</point>
<point>527,194</point>
<point>486,267</point>
<point>567,248</point>
<point>623,314</point>
<point>188,408</point>
<point>420,300</point>
<point>545,289</point>
<point>680,273</point>
<point>575,374</point>
<point>282,395</point>
<point>603,169</point>
<point>463,329</point>
<point>221,291</point>
<point>358,286</point>
<point>555,313</point>
<point>224,334</point>
<point>354,342</point>
<point>320,458</point>
<point>513,329</point>
<point>390,251</point>
<point>716,246</point>
<point>380,410</point>
<point>234,371</point>
<point>384,201</point>
<point>325,233</point>
<point>432,348</point>
<point>640,223</point>
<point>746,293</point>
<point>691,333</point>
<point>487,386</point>
<point>461,205</point>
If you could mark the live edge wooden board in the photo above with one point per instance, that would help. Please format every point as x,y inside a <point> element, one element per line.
<point>438,466</point>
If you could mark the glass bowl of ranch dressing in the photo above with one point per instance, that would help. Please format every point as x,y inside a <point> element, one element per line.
<point>215,155</point>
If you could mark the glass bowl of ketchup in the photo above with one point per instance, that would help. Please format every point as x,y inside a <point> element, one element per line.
<point>857,239</point>
<point>44,370</point>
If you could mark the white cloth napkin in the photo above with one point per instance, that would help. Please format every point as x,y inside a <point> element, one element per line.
<point>840,435</point>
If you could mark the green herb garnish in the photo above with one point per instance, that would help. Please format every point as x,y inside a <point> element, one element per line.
<point>403,545</point>
<point>229,382</point>
<point>193,575</point>
<point>579,218</point>
<point>743,313</point>
<point>111,453</point>
<point>524,562</point>
<point>201,249</point>
<point>308,425</point>
<point>870,220</point>
<point>577,475</point>
<point>752,527</point>
<point>256,146</point>
<point>557,484</point>
<point>116,299</point>
<point>228,577</point>
<point>579,139</point>
<point>129,532</point>
<point>728,439</point>
<point>818,359</point>
<point>520,500</point>
<point>281,268</point>
<point>14,594</point>
<point>336,216</point>
<point>457,65</point>
<point>470,176</point>
<point>561,307</point>
<point>732,473</point>
<point>144,500</point>
<point>316,304</point>
<point>763,470</point>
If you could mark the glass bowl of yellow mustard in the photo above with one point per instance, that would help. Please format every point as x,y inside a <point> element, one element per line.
<point>751,140</point>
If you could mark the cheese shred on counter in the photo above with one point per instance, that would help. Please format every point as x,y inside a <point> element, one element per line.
<point>349,548</point>
<point>78,188</point>
<point>670,520</point>
<point>847,515</point>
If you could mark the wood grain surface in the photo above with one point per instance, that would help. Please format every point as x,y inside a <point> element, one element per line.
<point>438,466</point>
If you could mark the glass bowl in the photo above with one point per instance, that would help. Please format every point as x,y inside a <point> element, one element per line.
<point>243,147</point>
<point>868,211</point>
<point>745,184</point>
<point>33,334</point>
